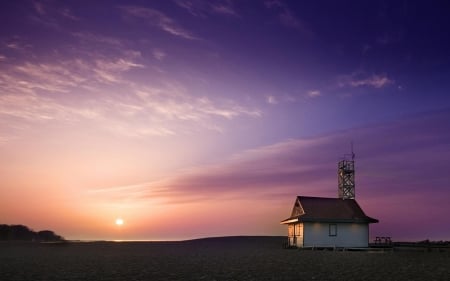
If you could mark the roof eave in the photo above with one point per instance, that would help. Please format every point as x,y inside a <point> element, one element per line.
<point>336,220</point>
<point>290,220</point>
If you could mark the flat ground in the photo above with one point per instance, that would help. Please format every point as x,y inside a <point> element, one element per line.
<point>244,258</point>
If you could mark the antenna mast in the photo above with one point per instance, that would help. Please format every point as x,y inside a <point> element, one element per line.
<point>346,176</point>
<point>353,154</point>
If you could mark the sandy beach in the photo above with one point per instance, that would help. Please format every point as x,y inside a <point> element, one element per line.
<point>244,258</point>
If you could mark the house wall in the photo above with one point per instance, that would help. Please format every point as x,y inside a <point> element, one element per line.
<point>347,235</point>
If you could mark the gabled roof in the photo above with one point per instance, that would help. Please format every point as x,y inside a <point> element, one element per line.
<point>320,209</point>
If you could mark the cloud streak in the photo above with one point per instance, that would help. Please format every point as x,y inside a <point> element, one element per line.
<point>203,9</point>
<point>224,8</point>
<point>313,94</point>
<point>159,54</point>
<point>358,80</point>
<point>159,19</point>
<point>173,103</point>
<point>271,99</point>
<point>89,37</point>
<point>51,16</point>
<point>287,18</point>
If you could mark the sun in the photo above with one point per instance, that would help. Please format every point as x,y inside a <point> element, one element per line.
<point>119,221</point>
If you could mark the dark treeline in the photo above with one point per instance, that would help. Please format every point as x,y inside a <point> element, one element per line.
<point>23,233</point>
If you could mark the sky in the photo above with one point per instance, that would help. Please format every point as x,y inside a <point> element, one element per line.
<point>192,119</point>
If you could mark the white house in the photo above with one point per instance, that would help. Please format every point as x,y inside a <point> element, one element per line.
<point>328,222</point>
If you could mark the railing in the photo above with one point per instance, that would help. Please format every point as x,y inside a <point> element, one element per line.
<point>383,240</point>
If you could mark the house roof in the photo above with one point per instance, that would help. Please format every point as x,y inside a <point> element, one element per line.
<point>320,209</point>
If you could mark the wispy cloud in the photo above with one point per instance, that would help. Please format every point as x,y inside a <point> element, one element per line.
<point>361,80</point>
<point>64,76</point>
<point>286,16</point>
<point>271,99</point>
<point>313,94</point>
<point>158,19</point>
<point>39,8</point>
<point>4,140</point>
<point>17,44</point>
<point>173,103</point>
<point>67,13</point>
<point>224,7</point>
<point>159,54</point>
<point>107,70</point>
<point>196,8</point>
<point>289,20</point>
<point>28,110</point>
<point>52,15</point>
<point>98,38</point>
<point>30,78</point>
<point>276,98</point>
<point>201,8</point>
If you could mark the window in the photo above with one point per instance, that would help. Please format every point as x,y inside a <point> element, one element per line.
<point>298,229</point>
<point>333,230</point>
<point>290,230</point>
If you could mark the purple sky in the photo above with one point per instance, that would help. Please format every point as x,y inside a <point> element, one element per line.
<point>215,115</point>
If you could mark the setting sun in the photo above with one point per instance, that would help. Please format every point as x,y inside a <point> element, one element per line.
<point>119,221</point>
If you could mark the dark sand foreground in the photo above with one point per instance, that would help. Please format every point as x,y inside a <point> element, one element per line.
<point>239,258</point>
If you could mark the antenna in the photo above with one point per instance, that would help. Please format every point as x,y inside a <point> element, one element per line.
<point>353,154</point>
<point>346,176</point>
